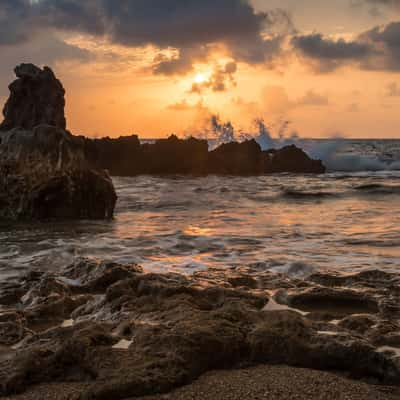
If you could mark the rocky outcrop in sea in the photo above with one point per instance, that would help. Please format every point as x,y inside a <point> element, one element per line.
<point>36,97</point>
<point>126,156</point>
<point>44,173</point>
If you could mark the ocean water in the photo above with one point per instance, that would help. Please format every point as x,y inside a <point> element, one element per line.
<point>346,220</point>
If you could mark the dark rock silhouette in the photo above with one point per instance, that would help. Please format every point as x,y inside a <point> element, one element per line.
<point>44,173</point>
<point>236,159</point>
<point>36,97</point>
<point>291,159</point>
<point>175,156</point>
<point>121,157</point>
<point>126,156</point>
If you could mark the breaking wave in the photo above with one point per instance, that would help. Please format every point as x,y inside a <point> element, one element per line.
<point>334,152</point>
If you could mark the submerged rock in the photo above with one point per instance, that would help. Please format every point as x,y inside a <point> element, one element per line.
<point>36,97</point>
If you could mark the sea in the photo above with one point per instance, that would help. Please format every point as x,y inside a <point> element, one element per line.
<point>346,220</point>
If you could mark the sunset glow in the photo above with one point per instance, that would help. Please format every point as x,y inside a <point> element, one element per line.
<point>290,67</point>
<point>200,78</point>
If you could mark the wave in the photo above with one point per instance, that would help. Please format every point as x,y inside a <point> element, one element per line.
<point>331,152</point>
<point>300,194</point>
<point>363,190</point>
<point>377,188</point>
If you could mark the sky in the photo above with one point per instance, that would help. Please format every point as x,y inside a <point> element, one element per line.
<point>156,67</point>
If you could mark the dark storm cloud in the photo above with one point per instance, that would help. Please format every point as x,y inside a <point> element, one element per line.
<point>379,3</point>
<point>181,63</point>
<point>376,49</point>
<point>13,17</point>
<point>330,53</point>
<point>42,50</point>
<point>387,44</point>
<point>180,24</point>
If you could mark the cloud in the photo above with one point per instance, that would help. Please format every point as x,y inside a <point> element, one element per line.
<point>41,50</point>
<point>180,63</point>
<point>375,4</point>
<point>392,90</point>
<point>184,105</point>
<point>385,40</point>
<point>311,98</point>
<point>275,100</point>
<point>353,108</point>
<point>189,26</point>
<point>220,80</point>
<point>376,49</point>
<point>327,53</point>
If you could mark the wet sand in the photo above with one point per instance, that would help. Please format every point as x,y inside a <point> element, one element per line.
<point>278,383</point>
<point>261,382</point>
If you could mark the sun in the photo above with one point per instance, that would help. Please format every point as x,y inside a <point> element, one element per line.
<point>200,78</point>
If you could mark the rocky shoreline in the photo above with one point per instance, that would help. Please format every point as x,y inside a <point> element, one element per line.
<point>113,331</point>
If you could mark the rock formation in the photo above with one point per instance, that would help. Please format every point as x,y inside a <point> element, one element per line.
<point>44,173</point>
<point>126,156</point>
<point>236,159</point>
<point>291,159</point>
<point>114,332</point>
<point>175,156</point>
<point>36,97</point>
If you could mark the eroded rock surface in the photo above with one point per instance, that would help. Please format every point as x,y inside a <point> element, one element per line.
<point>117,332</point>
<point>36,97</point>
<point>44,175</point>
<point>44,172</point>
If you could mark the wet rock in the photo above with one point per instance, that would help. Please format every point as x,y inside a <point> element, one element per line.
<point>338,302</point>
<point>175,156</point>
<point>121,156</point>
<point>125,156</point>
<point>12,328</point>
<point>243,281</point>
<point>134,334</point>
<point>36,97</point>
<point>236,159</point>
<point>44,175</point>
<point>90,275</point>
<point>358,323</point>
<point>291,159</point>
<point>370,279</point>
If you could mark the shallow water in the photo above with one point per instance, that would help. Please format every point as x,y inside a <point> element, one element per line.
<point>346,221</point>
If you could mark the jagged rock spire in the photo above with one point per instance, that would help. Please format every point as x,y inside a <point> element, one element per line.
<point>36,97</point>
